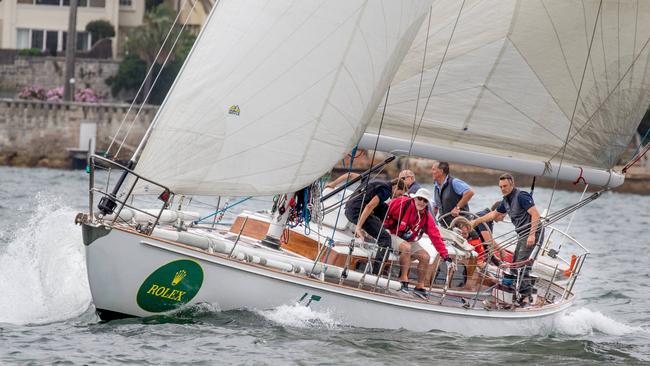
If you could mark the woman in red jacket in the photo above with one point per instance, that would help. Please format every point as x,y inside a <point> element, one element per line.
<point>407,219</point>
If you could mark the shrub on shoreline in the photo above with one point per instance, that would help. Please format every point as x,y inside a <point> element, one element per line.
<point>37,92</point>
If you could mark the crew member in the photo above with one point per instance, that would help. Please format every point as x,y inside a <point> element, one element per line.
<point>407,219</point>
<point>367,208</point>
<point>519,205</point>
<point>452,195</point>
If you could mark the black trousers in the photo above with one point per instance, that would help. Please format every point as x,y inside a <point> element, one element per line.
<point>522,252</point>
<point>373,226</point>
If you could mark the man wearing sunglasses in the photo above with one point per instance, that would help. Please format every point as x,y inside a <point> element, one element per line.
<point>407,219</point>
<point>409,178</point>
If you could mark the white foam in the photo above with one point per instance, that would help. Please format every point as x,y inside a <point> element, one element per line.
<point>199,309</point>
<point>299,316</point>
<point>584,321</point>
<point>43,268</point>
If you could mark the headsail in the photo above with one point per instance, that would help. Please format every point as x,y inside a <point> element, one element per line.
<point>275,92</point>
<point>510,81</point>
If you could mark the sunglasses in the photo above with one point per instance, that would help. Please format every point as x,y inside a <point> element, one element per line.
<point>422,199</point>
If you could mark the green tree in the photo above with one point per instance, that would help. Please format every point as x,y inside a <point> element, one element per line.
<point>130,75</point>
<point>100,29</point>
<point>145,41</point>
<point>30,52</point>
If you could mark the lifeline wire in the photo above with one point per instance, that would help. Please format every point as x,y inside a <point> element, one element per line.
<point>154,82</point>
<point>143,82</point>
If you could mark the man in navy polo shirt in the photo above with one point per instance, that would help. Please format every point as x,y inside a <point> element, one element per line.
<point>520,206</point>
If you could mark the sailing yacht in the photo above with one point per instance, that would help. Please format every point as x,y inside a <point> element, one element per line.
<point>273,94</point>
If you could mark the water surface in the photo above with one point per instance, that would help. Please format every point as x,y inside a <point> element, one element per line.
<point>47,317</point>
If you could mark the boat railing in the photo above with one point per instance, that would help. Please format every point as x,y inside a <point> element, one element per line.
<point>565,243</point>
<point>95,161</point>
<point>560,272</point>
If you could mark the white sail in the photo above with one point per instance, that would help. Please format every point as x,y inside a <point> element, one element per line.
<point>510,81</point>
<point>275,92</point>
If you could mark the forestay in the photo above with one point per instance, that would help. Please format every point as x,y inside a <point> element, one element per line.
<point>511,77</point>
<point>274,93</point>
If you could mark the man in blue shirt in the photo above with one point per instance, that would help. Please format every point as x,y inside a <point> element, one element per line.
<point>451,195</point>
<point>519,205</point>
<point>409,178</point>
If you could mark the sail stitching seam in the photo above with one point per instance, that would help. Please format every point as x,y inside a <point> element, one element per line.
<point>575,107</point>
<point>489,75</point>
<point>435,80</point>
<point>348,47</point>
<point>591,117</point>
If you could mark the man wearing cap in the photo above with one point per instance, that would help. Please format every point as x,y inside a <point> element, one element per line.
<point>407,219</point>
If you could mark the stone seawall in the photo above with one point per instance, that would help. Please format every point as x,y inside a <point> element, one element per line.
<point>49,72</point>
<point>38,133</point>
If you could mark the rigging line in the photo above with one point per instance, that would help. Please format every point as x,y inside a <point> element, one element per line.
<point>374,151</point>
<point>636,31</point>
<point>364,182</point>
<point>137,94</point>
<point>340,68</point>
<point>618,83</point>
<point>336,205</point>
<point>162,67</point>
<point>557,215</point>
<point>347,179</point>
<point>338,214</point>
<point>641,142</point>
<point>435,80</point>
<point>575,106</point>
<point>512,237</point>
<point>637,158</point>
<point>224,209</point>
<point>568,227</point>
<point>424,61</point>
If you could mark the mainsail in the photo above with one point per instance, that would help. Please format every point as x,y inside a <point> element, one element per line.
<point>518,77</point>
<point>275,92</point>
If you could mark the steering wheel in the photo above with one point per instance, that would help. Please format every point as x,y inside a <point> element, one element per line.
<point>465,214</point>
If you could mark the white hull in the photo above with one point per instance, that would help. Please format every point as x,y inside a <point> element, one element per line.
<point>119,263</point>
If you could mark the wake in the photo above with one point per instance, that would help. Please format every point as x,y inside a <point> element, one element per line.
<point>585,322</point>
<point>299,316</point>
<point>43,268</point>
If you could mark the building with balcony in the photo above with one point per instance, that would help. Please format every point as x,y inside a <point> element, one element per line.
<point>193,16</point>
<point>43,24</point>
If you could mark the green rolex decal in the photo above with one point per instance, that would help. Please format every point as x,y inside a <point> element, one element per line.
<point>170,286</point>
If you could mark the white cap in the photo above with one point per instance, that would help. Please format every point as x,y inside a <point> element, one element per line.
<point>424,193</point>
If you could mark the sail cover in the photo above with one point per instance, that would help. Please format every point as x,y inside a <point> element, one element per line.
<point>512,78</point>
<point>275,92</point>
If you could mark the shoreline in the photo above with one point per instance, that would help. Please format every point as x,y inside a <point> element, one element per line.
<point>637,179</point>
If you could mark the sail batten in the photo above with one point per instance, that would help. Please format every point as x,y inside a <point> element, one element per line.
<point>274,93</point>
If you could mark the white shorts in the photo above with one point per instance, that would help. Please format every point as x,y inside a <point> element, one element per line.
<point>396,241</point>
